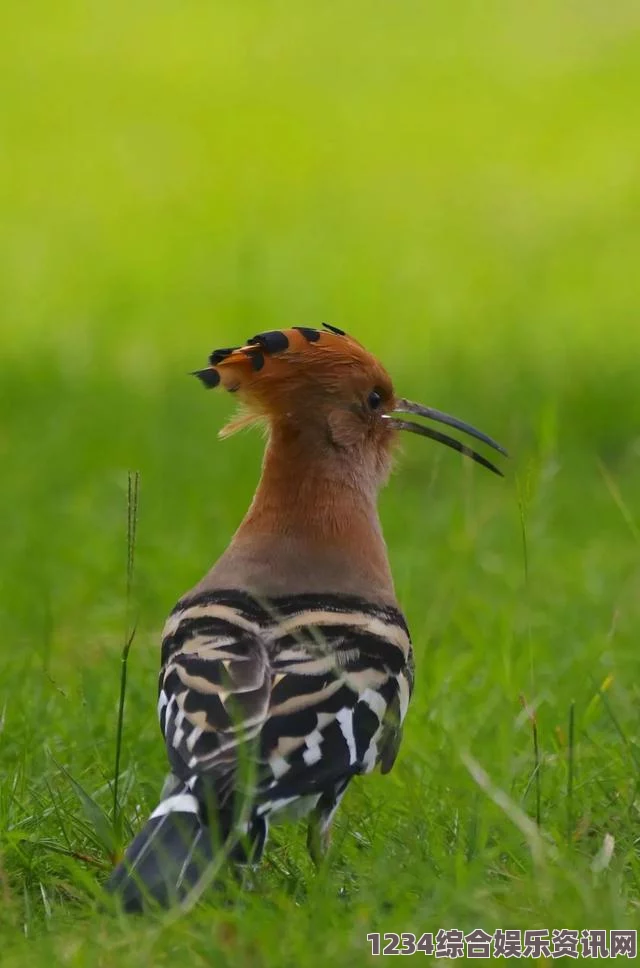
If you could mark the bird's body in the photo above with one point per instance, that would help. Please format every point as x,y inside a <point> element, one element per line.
<point>288,669</point>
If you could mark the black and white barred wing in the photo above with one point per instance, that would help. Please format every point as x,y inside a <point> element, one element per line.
<point>342,682</point>
<point>308,693</point>
<point>215,685</point>
<point>314,690</point>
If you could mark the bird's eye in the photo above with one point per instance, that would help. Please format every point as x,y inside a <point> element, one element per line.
<point>374,400</point>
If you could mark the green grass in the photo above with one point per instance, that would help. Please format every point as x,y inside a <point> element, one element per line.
<point>457,186</point>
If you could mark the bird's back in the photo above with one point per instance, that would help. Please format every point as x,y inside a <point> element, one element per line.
<point>317,684</point>
<point>268,709</point>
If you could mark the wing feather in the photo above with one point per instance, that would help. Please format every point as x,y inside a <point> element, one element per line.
<point>317,692</point>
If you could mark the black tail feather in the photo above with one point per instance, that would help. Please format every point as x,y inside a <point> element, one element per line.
<point>175,850</point>
<point>164,862</point>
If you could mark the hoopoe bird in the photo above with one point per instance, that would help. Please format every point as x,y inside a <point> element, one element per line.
<point>288,669</point>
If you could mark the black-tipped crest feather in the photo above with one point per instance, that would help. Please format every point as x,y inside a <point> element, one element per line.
<point>209,377</point>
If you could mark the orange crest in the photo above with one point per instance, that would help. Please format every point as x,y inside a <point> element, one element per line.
<point>290,370</point>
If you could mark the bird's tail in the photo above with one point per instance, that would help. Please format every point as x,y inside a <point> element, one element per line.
<point>168,857</point>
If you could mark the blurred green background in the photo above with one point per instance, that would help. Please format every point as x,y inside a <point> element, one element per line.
<point>460,177</point>
<point>456,184</point>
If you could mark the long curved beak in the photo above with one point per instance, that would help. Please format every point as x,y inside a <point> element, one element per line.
<point>407,406</point>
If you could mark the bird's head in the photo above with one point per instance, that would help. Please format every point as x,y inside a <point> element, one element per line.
<point>324,391</point>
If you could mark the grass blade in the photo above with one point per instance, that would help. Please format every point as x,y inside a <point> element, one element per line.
<point>537,766</point>
<point>518,817</point>
<point>132,526</point>
<point>102,826</point>
<point>570,758</point>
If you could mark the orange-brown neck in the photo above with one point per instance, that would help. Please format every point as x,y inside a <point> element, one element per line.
<point>313,525</point>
